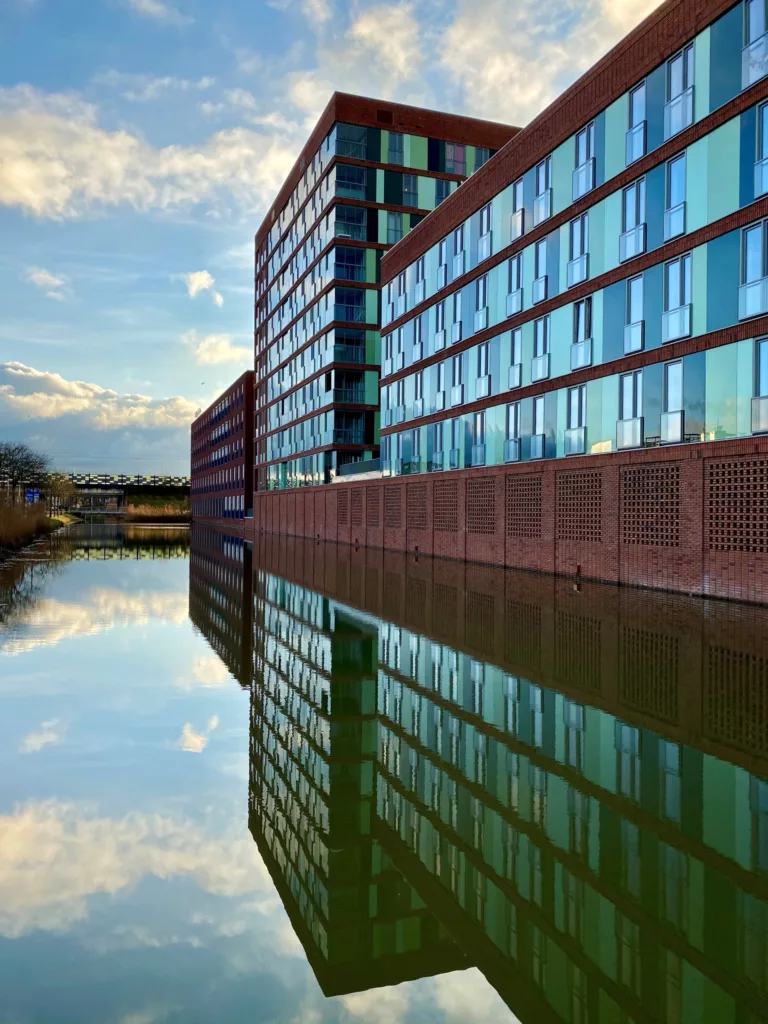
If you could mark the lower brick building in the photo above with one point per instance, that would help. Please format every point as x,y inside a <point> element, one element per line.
<point>221,454</point>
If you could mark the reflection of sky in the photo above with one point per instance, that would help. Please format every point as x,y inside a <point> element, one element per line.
<point>130,888</point>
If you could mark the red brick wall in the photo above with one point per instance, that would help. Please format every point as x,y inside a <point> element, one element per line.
<point>690,518</point>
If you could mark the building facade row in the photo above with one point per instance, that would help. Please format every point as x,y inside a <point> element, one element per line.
<point>221,455</point>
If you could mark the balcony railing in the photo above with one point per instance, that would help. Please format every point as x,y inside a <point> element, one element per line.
<point>539,291</point>
<point>442,276</point>
<point>583,179</point>
<point>581,354</point>
<point>542,207</point>
<point>629,433</point>
<point>540,367</point>
<point>437,461</point>
<point>514,302</point>
<point>753,299</point>
<point>349,353</point>
<point>458,264</point>
<point>457,395</point>
<point>674,222</point>
<point>349,314</point>
<point>440,400</point>
<point>632,243</point>
<point>678,113</point>
<point>399,413</point>
<point>456,332</point>
<point>515,376</point>
<point>754,62</point>
<point>386,367</point>
<point>760,415</point>
<point>348,435</point>
<point>636,142</point>
<point>344,230</point>
<point>399,360</point>
<point>672,427</point>
<point>418,407</point>
<point>478,454</point>
<point>418,352</point>
<point>537,446</point>
<point>484,246</point>
<point>481,318</point>
<point>400,305</point>
<point>454,457</point>
<point>439,340</point>
<point>675,324</point>
<point>512,449</point>
<point>354,396</point>
<point>516,225</point>
<point>634,337</point>
<point>420,291</point>
<point>578,270</point>
<point>483,386</point>
<point>575,440</point>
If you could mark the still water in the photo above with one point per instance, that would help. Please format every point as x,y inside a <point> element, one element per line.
<point>297,783</point>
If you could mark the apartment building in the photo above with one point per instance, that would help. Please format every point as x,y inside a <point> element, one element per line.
<point>369,173</point>
<point>221,455</point>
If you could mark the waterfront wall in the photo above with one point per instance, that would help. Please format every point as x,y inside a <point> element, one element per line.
<point>690,518</point>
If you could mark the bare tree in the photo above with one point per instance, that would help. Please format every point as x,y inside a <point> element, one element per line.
<point>21,466</point>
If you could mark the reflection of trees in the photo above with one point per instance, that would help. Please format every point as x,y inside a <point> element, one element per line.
<point>23,582</point>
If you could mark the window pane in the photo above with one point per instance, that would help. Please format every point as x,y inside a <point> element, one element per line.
<point>763,133</point>
<point>635,300</point>
<point>517,195</point>
<point>686,294</point>
<point>672,288</point>
<point>753,253</point>
<point>541,258</point>
<point>688,67</point>
<point>630,205</point>
<point>673,398</point>
<point>637,106</point>
<point>762,368</point>
<point>676,76</point>
<point>538,415</point>
<point>516,345</point>
<point>676,186</point>
<point>626,396</point>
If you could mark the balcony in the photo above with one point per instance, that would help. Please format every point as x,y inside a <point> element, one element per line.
<point>458,264</point>
<point>442,276</point>
<point>514,302</point>
<point>439,340</point>
<point>388,418</point>
<point>578,270</point>
<point>437,461</point>
<point>418,407</point>
<point>540,367</point>
<point>516,225</point>
<point>672,427</point>
<point>484,247</point>
<point>754,62</point>
<point>760,415</point>
<point>454,458</point>
<point>515,376</point>
<point>457,395</point>
<point>456,332</point>
<point>418,352</point>
<point>583,179</point>
<point>761,178</point>
<point>634,337</point>
<point>629,433</point>
<point>512,449</point>
<point>348,435</point>
<point>398,467</point>
<point>678,113</point>
<point>400,305</point>
<point>674,222</point>
<point>420,291</point>
<point>753,299</point>
<point>386,368</point>
<point>478,454</point>
<point>581,354</point>
<point>542,207</point>
<point>575,440</point>
<point>636,142</point>
<point>399,413</point>
<point>539,290</point>
<point>349,314</point>
<point>483,386</point>
<point>351,396</point>
<point>676,324</point>
<point>348,353</point>
<point>399,360</point>
<point>481,318</point>
<point>440,400</point>
<point>537,446</point>
<point>632,243</point>
<point>356,231</point>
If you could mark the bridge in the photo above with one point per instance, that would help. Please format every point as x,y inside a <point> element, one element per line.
<point>109,492</point>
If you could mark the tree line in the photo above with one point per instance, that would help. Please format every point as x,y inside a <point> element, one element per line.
<point>22,467</point>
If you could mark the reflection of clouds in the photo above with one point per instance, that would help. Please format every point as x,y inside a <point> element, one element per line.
<point>50,734</point>
<point>465,997</point>
<point>50,621</point>
<point>53,857</point>
<point>196,742</point>
<point>378,1005</point>
<point>208,671</point>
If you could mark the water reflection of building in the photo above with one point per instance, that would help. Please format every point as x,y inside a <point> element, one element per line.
<point>220,596</point>
<point>571,780</point>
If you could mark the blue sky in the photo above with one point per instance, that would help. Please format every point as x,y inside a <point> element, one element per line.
<point>141,142</point>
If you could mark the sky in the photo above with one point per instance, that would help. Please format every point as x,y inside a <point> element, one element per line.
<point>141,144</point>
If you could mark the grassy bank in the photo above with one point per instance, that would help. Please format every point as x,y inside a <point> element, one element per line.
<point>20,524</point>
<point>159,512</point>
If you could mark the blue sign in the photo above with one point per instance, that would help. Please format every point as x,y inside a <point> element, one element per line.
<point>32,496</point>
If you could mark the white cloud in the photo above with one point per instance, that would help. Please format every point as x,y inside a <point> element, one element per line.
<point>53,285</point>
<point>208,671</point>
<point>378,1006</point>
<point>195,742</point>
<point>34,394</point>
<point>216,348</point>
<point>201,281</point>
<point>50,734</point>
<point>390,35</point>
<point>57,162</point>
<point>144,88</point>
<point>54,856</point>
<point>161,12</point>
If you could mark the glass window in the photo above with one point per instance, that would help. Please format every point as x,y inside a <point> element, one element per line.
<point>762,132</point>
<point>440,316</point>
<point>582,320</point>
<point>396,149</point>
<point>541,336</point>
<point>410,190</point>
<point>631,395</point>
<point>517,195</point>
<point>418,385</point>
<point>677,282</point>
<point>485,220</point>
<point>420,265</point>
<point>543,176</point>
<point>635,299</point>
<point>515,273</point>
<point>673,386</point>
<point>634,205</point>
<point>394,227</point>
<point>482,155</point>
<point>577,405</point>
<point>417,330</point>
<point>482,292</point>
<point>483,359</point>
<point>538,414</point>
<point>455,158</point>
<point>479,428</point>
<point>579,236</point>
<point>442,252</point>
<point>676,181</point>
<point>416,444</point>
<point>755,10</point>
<point>513,421</point>
<point>762,368</point>
<point>585,144</point>
<point>442,190</point>
<point>541,258</point>
<point>437,437</point>
<point>637,105</point>
<point>456,371</point>
<point>455,433</point>
<point>456,307</point>
<point>680,72</point>
<point>517,346</point>
<point>753,255</point>
<point>441,377</point>
<point>350,181</point>
<point>458,239</point>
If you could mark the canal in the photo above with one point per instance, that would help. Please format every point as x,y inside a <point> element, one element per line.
<point>298,783</point>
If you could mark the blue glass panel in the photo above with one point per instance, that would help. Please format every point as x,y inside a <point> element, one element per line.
<point>723,281</point>
<point>726,38</point>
